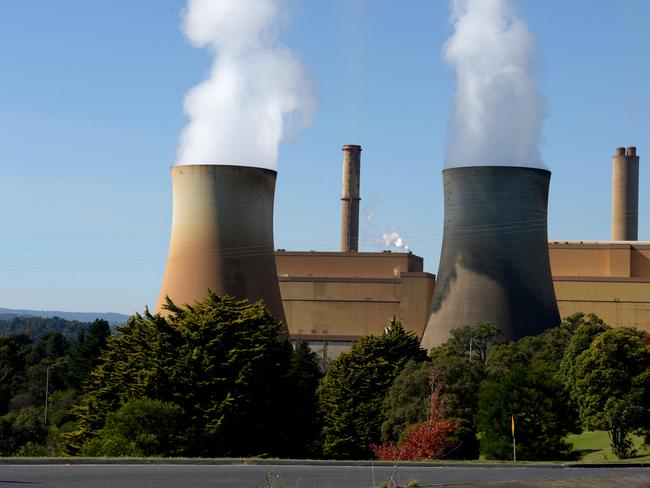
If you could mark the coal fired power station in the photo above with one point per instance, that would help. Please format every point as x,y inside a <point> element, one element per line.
<point>222,236</point>
<point>494,265</point>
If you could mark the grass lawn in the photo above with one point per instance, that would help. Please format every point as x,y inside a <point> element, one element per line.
<point>595,447</point>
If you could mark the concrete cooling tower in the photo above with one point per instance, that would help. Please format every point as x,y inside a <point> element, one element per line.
<point>494,265</point>
<point>222,236</point>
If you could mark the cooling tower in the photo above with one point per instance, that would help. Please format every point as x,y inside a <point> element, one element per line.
<point>494,265</point>
<point>222,236</point>
<point>625,195</point>
<point>350,198</point>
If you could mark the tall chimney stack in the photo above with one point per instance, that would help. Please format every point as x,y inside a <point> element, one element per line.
<point>625,194</point>
<point>350,198</point>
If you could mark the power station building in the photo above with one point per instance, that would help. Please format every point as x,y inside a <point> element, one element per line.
<point>496,262</point>
<point>331,299</point>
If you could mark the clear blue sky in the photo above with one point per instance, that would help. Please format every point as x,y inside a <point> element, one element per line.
<point>91,108</point>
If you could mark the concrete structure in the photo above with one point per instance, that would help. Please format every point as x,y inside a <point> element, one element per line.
<point>625,194</point>
<point>222,236</point>
<point>610,279</point>
<point>331,299</point>
<point>494,265</point>
<point>350,198</point>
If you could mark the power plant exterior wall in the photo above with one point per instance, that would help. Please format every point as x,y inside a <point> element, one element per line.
<point>334,298</point>
<point>494,265</point>
<point>625,194</point>
<point>610,279</point>
<point>222,236</point>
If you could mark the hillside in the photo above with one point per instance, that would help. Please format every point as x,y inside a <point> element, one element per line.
<point>110,317</point>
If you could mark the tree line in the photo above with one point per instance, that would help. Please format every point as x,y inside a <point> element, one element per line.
<point>218,379</point>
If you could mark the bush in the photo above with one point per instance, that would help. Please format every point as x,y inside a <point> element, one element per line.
<point>141,427</point>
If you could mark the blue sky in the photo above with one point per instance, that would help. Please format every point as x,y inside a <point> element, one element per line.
<point>91,109</point>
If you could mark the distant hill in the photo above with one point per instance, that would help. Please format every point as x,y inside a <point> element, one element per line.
<point>35,327</point>
<point>110,317</point>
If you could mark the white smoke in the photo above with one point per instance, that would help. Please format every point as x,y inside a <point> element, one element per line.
<point>257,94</point>
<point>393,239</point>
<point>498,112</point>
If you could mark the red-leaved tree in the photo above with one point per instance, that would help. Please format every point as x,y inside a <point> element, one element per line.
<point>431,439</point>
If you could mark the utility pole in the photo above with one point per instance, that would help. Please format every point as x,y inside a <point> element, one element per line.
<point>47,385</point>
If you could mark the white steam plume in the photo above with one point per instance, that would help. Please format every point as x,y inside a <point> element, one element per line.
<point>393,239</point>
<point>498,112</point>
<point>257,94</point>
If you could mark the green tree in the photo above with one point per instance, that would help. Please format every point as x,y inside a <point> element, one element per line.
<point>462,378</point>
<point>305,376</point>
<point>85,352</point>
<point>474,341</point>
<point>141,427</point>
<point>407,402</point>
<point>587,329</point>
<point>612,386</point>
<point>522,380</point>
<point>408,399</point>
<point>352,392</point>
<point>543,418</point>
<point>220,360</point>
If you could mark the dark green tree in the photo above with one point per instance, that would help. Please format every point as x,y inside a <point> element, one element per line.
<point>407,402</point>
<point>305,375</point>
<point>543,418</point>
<point>352,392</point>
<point>612,386</point>
<point>588,327</point>
<point>221,360</point>
<point>474,341</point>
<point>141,427</point>
<point>85,352</point>
<point>522,379</point>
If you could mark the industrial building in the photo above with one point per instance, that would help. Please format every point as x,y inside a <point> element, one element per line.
<point>331,299</point>
<point>496,262</point>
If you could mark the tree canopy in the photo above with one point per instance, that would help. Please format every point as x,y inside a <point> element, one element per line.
<point>352,393</point>
<point>223,362</point>
<point>612,385</point>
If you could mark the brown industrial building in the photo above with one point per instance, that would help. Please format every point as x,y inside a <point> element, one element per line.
<point>222,239</point>
<point>610,279</point>
<point>331,299</point>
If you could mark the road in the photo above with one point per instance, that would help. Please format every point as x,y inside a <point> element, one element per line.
<point>288,476</point>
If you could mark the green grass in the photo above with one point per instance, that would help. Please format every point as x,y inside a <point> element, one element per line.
<point>595,447</point>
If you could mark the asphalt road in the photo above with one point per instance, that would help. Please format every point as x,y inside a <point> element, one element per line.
<point>286,476</point>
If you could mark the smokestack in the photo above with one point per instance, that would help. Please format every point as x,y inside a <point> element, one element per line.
<point>625,194</point>
<point>350,198</point>
<point>222,236</point>
<point>494,265</point>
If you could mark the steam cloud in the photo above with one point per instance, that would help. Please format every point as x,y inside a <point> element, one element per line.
<point>257,94</point>
<point>393,239</point>
<point>498,112</point>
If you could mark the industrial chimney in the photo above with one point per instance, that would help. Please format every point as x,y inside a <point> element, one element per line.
<point>494,265</point>
<point>625,194</point>
<point>350,198</point>
<point>222,236</point>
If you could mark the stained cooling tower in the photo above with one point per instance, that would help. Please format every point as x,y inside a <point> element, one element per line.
<point>222,236</point>
<point>494,265</point>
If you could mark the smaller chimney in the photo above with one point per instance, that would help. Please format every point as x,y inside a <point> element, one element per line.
<point>625,194</point>
<point>350,198</point>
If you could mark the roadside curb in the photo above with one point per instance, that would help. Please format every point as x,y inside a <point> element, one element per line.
<point>304,462</point>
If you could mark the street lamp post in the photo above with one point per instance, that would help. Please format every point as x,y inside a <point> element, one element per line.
<point>47,385</point>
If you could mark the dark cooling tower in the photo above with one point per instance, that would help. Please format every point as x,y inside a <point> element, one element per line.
<point>222,236</point>
<point>494,265</point>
